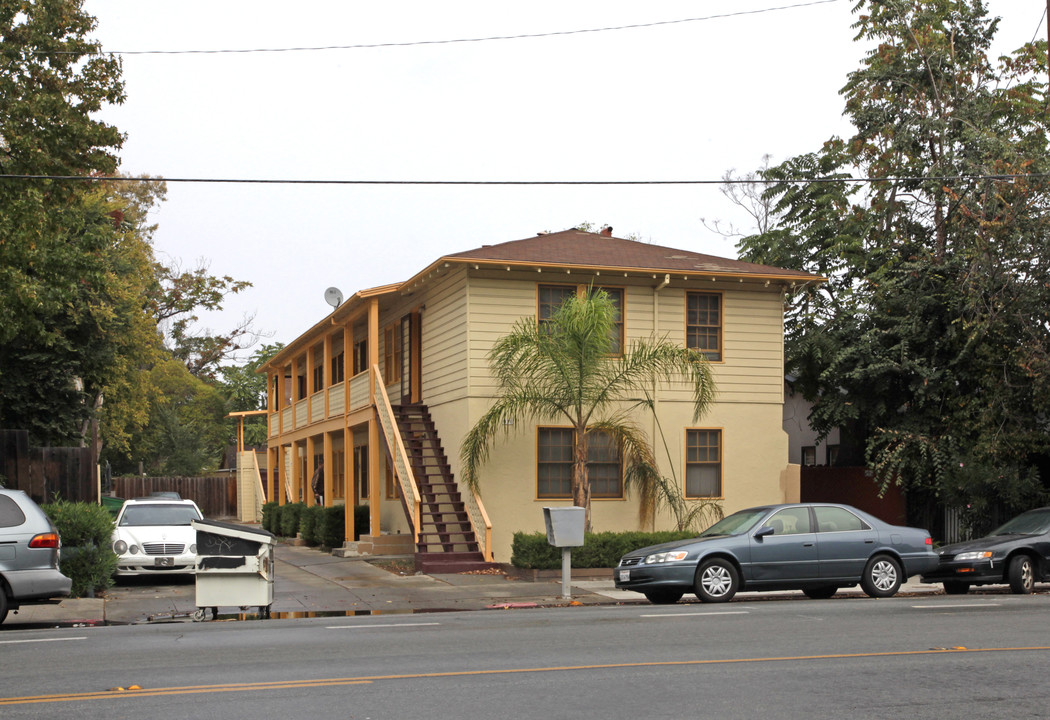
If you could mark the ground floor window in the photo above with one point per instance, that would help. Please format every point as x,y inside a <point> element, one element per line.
<point>554,464</point>
<point>703,463</point>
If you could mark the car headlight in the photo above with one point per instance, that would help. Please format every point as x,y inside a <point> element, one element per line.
<point>120,547</point>
<point>982,555</point>
<point>666,557</point>
<point>193,549</point>
<point>133,549</point>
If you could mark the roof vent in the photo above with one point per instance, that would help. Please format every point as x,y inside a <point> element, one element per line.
<point>606,231</point>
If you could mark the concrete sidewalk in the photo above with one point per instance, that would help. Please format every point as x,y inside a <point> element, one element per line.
<point>312,583</point>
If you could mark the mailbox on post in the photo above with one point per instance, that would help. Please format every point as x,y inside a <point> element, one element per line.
<point>565,530</point>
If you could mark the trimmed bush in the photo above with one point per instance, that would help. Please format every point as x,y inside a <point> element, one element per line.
<point>310,520</point>
<point>290,513</point>
<point>87,556</point>
<point>331,527</point>
<point>531,551</point>
<point>270,515</point>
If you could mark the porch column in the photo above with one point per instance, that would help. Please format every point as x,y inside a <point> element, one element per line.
<point>329,471</point>
<point>326,380</point>
<point>374,476</point>
<point>282,494</point>
<point>350,486</point>
<point>272,454</point>
<point>297,481</point>
<point>308,489</point>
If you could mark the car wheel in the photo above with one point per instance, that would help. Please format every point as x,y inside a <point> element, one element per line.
<point>1021,574</point>
<point>3,602</point>
<point>820,593</point>
<point>956,588</point>
<point>664,597</point>
<point>882,577</point>
<point>716,581</point>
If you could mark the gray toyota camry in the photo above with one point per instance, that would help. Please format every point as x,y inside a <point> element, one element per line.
<point>813,547</point>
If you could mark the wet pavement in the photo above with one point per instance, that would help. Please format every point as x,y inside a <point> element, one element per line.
<point>312,583</point>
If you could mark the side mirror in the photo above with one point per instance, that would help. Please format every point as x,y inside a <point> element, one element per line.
<point>764,531</point>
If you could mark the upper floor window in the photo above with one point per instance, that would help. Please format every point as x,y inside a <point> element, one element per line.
<point>703,463</point>
<point>809,455</point>
<point>318,376</point>
<point>551,296</point>
<point>392,354</point>
<point>833,455</point>
<point>360,356</point>
<point>703,324</point>
<point>338,369</point>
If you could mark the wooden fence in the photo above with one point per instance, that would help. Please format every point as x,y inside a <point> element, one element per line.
<point>215,496</point>
<point>48,473</point>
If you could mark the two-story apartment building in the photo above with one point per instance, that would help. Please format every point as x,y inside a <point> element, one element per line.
<point>383,390</point>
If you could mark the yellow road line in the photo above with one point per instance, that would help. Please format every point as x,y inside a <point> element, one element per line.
<point>333,682</point>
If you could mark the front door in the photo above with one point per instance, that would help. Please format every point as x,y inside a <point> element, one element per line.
<point>410,358</point>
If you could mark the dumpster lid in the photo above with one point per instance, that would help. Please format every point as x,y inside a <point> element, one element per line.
<point>238,531</point>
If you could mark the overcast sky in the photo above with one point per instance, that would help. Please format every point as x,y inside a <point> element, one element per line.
<point>675,101</point>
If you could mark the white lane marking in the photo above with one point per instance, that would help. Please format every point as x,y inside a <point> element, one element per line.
<point>958,605</point>
<point>369,627</point>
<point>695,614</point>
<point>16,642</point>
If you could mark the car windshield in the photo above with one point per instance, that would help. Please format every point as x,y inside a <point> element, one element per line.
<point>1033,522</point>
<point>158,514</point>
<point>736,523</point>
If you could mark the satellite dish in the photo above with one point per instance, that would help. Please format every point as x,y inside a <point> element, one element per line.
<point>333,296</point>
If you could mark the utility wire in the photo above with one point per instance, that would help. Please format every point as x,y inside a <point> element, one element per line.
<point>525,36</point>
<point>720,181</point>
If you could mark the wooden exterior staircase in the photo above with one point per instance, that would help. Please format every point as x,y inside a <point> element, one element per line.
<point>446,542</point>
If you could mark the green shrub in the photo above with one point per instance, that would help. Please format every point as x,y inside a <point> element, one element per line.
<point>87,556</point>
<point>531,551</point>
<point>270,513</point>
<point>290,513</point>
<point>331,528</point>
<point>310,520</point>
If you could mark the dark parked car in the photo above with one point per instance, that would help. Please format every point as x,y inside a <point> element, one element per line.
<point>29,552</point>
<point>813,547</point>
<point>1017,554</point>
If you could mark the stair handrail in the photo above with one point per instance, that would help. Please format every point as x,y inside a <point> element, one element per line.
<point>402,465</point>
<point>479,519</point>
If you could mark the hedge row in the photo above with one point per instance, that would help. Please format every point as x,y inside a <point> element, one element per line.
<point>87,556</point>
<point>531,551</point>
<point>317,525</point>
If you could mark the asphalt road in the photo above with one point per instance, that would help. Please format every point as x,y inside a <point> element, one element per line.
<point>974,656</point>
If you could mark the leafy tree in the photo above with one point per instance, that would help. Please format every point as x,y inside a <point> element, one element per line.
<point>931,338</point>
<point>187,426</point>
<point>180,295</point>
<point>245,389</point>
<point>564,370</point>
<point>58,297</point>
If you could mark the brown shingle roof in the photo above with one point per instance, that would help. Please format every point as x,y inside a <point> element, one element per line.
<point>577,248</point>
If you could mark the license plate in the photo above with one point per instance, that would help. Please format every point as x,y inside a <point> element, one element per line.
<point>625,576</point>
<point>164,562</point>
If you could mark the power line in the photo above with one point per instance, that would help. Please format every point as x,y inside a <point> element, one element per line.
<point>720,181</point>
<point>524,36</point>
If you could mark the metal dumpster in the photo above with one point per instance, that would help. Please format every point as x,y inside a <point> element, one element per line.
<point>234,568</point>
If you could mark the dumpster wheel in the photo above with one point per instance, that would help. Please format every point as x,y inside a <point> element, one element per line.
<point>200,615</point>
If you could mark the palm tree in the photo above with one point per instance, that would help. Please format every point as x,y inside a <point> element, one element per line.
<point>564,369</point>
